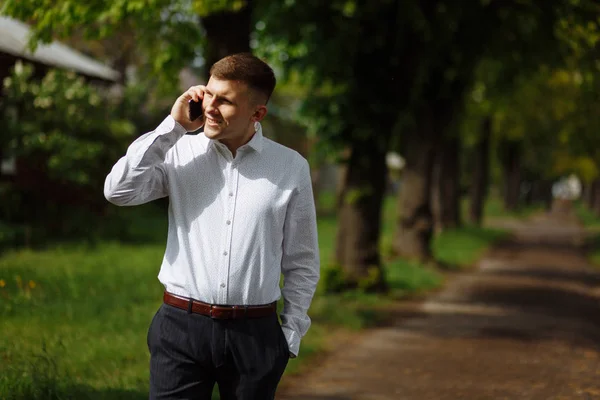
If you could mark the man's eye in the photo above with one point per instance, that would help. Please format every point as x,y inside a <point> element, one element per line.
<point>207,94</point>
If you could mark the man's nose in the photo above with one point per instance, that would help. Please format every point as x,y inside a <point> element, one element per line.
<point>209,104</point>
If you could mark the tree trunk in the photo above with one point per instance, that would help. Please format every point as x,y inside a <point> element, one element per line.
<point>547,196</point>
<point>512,175</point>
<point>436,191</point>
<point>415,224</point>
<point>596,198</point>
<point>527,193</point>
<point>361,198</point>
<point>590,193</point>
<point>481,168</point>
<point>541,193</point>
<point>227,33</point>
<point>446,187</point>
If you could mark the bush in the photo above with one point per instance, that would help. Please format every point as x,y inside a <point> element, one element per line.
<point>65,134</point>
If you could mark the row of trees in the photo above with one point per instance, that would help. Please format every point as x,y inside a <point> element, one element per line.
<point>440,82</point>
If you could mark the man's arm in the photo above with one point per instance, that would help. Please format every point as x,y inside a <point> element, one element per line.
<point>140,176</point>
<point>300,262</point>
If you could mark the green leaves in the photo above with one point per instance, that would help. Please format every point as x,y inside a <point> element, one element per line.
<point>207,7</point>
<point>166,32</point>
<point>64,119</point>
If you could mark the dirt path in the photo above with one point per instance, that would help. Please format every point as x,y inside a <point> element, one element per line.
<point>524,325</point>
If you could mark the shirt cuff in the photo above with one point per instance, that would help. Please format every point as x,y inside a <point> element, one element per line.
<point>170,125</point>
<point>293,341</point>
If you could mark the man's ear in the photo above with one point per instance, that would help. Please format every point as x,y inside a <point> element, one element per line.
<point>259,113</point>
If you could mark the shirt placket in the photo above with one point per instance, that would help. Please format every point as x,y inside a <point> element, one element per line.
<point>232,183</point>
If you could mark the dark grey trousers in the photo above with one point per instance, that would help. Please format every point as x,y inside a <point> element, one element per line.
<point>189,353</point>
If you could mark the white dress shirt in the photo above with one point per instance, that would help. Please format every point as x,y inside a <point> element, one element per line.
<point>235,224</point>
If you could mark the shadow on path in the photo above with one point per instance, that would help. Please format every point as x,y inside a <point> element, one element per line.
<point>525,324</point>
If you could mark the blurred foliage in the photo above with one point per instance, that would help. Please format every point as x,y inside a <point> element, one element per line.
<point>361,67</point>
<point>346,83</point>
<point>540,95</point>
<point>207,7</point>
<point>360,59</point>
<point>363,71</point>
<point>556,122</point>
<point>62,118</point>
<point>156,25</point>
<point>166,33</point>
<point>65,134</point>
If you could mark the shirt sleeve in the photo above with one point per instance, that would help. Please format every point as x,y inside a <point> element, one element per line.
<point>139,176</point>
<point>300,262</point>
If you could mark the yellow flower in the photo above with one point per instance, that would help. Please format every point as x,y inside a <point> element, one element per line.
<point>31,284</point>
<point>2,283</point>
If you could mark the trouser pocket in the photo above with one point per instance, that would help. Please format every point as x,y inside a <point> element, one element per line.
<point>152,328</point>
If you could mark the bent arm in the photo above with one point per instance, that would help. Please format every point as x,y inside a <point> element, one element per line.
<point>140,176</point>
<point>300,264</point>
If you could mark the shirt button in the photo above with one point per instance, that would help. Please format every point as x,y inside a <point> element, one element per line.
<point>222,285</point>
<point>224,253</point>
<point>230,194</point>
<point>228,222</point>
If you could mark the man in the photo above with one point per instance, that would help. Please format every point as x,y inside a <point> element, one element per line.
<point>241,214</point>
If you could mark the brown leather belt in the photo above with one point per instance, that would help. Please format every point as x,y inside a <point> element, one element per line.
<point>218,311</point>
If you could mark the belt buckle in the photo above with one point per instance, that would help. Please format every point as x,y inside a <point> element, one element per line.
<point>228,312</point>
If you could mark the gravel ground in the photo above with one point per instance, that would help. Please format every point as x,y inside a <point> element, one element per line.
<point>525,324</point>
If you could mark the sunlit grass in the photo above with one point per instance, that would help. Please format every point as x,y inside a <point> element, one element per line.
<point>463,246</point>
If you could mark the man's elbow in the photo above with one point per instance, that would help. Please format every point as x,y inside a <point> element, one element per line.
<point>114,196</point>
<point>113,199</point>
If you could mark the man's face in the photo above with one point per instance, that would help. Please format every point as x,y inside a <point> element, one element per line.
<point>228,110</point>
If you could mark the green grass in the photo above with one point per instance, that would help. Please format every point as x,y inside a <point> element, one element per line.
<point>594,255</point>
<point>74,317</point>
<point>89,307</point>
<point>462,247</point>
<point>587,216</point>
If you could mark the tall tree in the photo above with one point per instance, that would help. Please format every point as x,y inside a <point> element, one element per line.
<point>453,41</point>
<point>446,184</point>
<point>227,29</point>
<point>511,160</point>
<point>391,61</point>
<point>351,57</point>
<point>480,168</point>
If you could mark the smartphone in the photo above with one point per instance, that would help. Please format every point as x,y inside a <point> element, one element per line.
<point>195,110</point>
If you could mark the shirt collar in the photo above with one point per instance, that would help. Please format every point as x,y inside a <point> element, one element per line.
<point>257,140</point>
<point>255,143</point>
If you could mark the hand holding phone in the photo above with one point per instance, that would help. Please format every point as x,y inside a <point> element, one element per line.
<point>195,110</point>
<point>187,109</point>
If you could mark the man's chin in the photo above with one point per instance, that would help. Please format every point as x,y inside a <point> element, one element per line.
<point>211,132</point>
